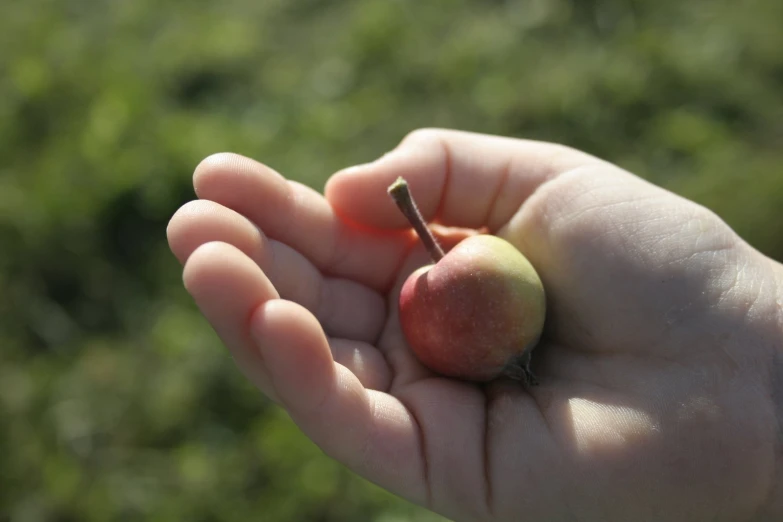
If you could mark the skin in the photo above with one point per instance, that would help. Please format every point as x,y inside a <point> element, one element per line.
<point>660,367</point>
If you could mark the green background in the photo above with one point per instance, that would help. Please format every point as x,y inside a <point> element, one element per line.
<point>117,401</point>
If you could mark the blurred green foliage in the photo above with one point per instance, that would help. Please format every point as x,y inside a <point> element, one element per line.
<point>117,401</point>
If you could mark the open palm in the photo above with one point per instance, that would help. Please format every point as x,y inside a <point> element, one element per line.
<point>654,402</point>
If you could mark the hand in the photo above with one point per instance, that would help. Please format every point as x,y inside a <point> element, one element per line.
<point>660,368</point>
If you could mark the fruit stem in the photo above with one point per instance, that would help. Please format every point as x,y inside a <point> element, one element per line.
<point>401,195</point>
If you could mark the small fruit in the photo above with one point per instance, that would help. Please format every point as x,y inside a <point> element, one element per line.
<point>477,312</point>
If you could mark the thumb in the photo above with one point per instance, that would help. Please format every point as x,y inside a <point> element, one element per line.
<point>458,179</point>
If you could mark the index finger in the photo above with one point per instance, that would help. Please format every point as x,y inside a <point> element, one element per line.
<point>459,179</point>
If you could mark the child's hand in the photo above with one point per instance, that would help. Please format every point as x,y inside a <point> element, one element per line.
<point>659,395</point>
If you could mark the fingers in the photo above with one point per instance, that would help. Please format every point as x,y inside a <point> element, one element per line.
<point>228,286</point>
<point>461,179</point>
<point>371,432</point>
<point>301,218</point>
<point>292,343</point>
<point>282,349</point>
<point>345,308</point>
